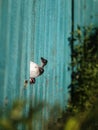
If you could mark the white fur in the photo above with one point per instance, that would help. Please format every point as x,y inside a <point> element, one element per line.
<point>34,70</point>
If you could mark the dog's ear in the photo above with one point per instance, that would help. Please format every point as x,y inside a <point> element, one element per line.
<point>44,61</point>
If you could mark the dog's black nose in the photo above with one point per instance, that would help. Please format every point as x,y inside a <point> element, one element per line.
<point>41,70</point>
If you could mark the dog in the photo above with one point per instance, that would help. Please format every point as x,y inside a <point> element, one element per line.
<point>36,70</point>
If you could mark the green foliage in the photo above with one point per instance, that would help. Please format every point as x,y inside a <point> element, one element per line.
<point>84,85</point>
<point>16,116</point>
<point>23,115</point>
<point>82,110</point>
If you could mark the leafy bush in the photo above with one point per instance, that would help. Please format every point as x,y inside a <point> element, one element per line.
<point>84,85</point>
<point>83,103</point>
<point>14,117</point>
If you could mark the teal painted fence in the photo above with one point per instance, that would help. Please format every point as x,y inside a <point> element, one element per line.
<point>15,40</point>
<point>51,28</point>
<point>30,29</point>
<point>85,12</point>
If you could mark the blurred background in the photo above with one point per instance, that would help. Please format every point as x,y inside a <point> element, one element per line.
<point>30,29</point>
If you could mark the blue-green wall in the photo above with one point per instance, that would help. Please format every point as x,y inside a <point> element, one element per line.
<point>85,12</point>
<point>51,25</point>
<point>15,40</point>
<point>30,29</point>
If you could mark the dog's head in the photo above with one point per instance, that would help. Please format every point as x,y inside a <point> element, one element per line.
<point>35,70</point>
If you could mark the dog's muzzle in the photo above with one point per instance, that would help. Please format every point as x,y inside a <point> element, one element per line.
<point>41,70</point>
